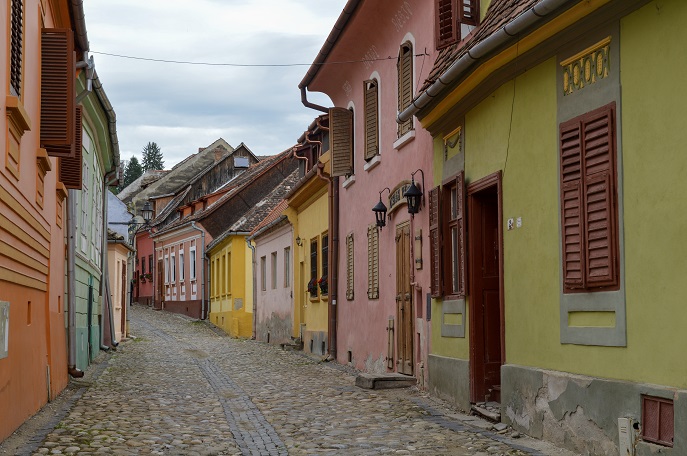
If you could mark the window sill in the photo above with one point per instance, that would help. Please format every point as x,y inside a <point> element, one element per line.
<point>405,139</point>
<point>376,160</point>
<point>325,298</point>
<point>316,299</point>
<point>17,114</point>
<point>349,181</point>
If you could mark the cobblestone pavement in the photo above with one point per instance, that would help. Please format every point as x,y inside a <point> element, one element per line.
<point>183,387</point>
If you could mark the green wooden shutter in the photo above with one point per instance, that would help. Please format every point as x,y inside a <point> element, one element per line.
<point>341,139</point>
<point>371,119</point>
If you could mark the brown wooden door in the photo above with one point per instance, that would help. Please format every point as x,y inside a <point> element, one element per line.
<point>485,295</point>
<point>404,305</point>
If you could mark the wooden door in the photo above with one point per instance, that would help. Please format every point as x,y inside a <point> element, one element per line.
<point>404,305</point>
<point>486,337</point>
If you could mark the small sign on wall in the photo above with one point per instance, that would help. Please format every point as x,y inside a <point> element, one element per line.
<point>4,328</point>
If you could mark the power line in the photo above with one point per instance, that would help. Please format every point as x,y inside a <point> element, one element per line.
<point>249,65</point>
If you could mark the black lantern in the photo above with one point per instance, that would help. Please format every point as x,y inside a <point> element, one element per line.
<point>380,210</point>
<point>147,211</point>
<point>414,195</point>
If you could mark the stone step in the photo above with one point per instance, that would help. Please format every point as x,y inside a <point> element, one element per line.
<point>487,413</point>
<point>384,381</point>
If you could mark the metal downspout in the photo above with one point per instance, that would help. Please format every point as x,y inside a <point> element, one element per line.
<point>203,307</point>
<point>71,298</point>
<point>308,104</point>
<point>513,28</point>
<point>255,289</point>
<point>332,260</point>
<point>105,268</point>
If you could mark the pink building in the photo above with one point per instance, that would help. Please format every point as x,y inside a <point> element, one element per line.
<point>383,278</point>
<point>144,269</point>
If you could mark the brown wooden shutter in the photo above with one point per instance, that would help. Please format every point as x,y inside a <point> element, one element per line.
<point>341,138</point>
<point>469,12</point>
<point>571,206</point>
<point>349,267</point>
<point>16,46</point>
<point>435,241</point>
<point>405,85</point>
<point>446,27</point>
<point>599,196</point>
<point>371,119</point>
<point>372,262</point>
<point>58,75</point>
<point>71,167</point>
<point>460,223</point>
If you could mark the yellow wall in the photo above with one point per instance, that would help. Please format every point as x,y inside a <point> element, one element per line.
<point>231,285</point>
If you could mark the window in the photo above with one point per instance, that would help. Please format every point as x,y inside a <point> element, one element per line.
<point>447,238</point>
<point>658,420</point>
<point>143,265</point>
<point>16,46</point>
<point>372,262</point>
<point>274,270</point>
<point>181,265</point>
<point>263,273</point>
<point>450,15</point>
<point>173,266</point>
<point>312,285</point>
<point>349,267</point>
<point>405,85</point>
<point>589,212</point>
<point>166,269</point>
<point>371,119</point>
<point>150,264</point>
<point>287,267</point>
<point>324,280</point>
<point>192,265</point>
<point>341,141</point>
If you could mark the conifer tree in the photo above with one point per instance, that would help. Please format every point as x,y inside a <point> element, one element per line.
<point>133,171</point>
<point>152,157</point>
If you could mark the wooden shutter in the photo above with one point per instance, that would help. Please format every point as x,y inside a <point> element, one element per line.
<point>16,46</point>
<point>599,196</point>
<point>349,267</point>
<point>372,262</point>
<point>435,241</point>
<point>405,85</point>
<point>341,138</point>
<point>446,27</point>
<point>460,226</point>
<point>58,74</point>
<point>469,12</point>
<point>71,167</point>
<point>371,119</point>
<point>571,206</point>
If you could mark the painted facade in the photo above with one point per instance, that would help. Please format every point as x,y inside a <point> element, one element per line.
<point>119,253</point>
<point>582,356</point>
<point>375,331</point>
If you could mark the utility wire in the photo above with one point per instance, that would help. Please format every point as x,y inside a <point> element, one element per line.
<point>249,65</point>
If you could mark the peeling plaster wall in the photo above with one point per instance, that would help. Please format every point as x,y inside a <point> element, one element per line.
<point>449,379</point>
<point>581,413</point>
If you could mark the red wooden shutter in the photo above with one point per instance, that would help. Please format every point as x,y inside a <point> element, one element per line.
<point>435,241</point>
<point>71,167</point>
<point>341,138</point>
<point>599,196</point>
<point>371,121</point>
<point>460,223</point>
<point>405,85</point>
<point>571,205</point>
<point>446,27</point>
<point>469,12</point>
<point>58,74</point>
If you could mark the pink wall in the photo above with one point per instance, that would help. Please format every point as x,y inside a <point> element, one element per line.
<point>143,291</point>
<point>378,29</point>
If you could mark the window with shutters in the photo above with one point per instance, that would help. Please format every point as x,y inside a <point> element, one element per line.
<point>372,262</point>
<point>450,15</point>
<point>287,267</point>
<point>405,85</point>
<point>349,267</point>
<point>312,285</point>
<point>263,273</point>
<point>341,141</point>
<point>323,282</point>
<point>58,107</point>
<point>16,46</point>
<point>371,90</point>
<point>447,238</point>
<point>589,212</point>
<point>71,167</point>
<point>274,270</point>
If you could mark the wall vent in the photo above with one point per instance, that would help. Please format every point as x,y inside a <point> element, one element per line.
<point>4,328</point>
<point>658,420</point>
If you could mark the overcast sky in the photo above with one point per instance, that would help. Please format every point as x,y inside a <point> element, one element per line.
<point>184,107</point>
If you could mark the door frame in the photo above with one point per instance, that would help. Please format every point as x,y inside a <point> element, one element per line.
<point>490,181</point>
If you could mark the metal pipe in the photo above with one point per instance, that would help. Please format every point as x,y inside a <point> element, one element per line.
<point>465,62</point>
<point>308,104</point>
<point>203,307</point>
<point>255,288</point>
<point>71,298</point>
<point>295,155</point>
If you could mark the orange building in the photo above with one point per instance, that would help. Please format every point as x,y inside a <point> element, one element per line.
<point>42,45</point>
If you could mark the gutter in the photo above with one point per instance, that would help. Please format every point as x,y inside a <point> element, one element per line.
<point>203,307</point>
<point>535,15</point>
<point>255,287</point>
<point>273,223</point>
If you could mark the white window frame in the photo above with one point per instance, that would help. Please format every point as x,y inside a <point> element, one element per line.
<point>166,268</point>
<point>182,274</point>
<point>173,267</point>
<point>287,267</point>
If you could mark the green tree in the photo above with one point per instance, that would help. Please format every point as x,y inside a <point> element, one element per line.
<point>132,172</point>
<point>152,157</point>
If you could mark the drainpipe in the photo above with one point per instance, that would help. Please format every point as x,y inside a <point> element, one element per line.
<point>203,307</point>
<point>294,154</point>
<point>459,68</point>
<point>71,298</point>
<point>255,288</point>
<point>308,104</point>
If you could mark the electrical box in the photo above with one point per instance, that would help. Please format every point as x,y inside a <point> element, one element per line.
<point>626,438</point>
<point>4,328</point>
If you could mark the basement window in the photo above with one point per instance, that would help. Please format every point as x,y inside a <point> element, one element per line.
<point>658,420</point>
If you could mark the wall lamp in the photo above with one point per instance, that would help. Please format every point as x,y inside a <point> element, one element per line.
<point>414,195</point>
<point>299,241</point>
<point>380,210</point>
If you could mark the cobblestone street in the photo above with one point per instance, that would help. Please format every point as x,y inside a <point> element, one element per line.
<point>182,387</point>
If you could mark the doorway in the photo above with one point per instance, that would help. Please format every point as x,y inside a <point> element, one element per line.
<point>485,253</point>
<point>404,305</point>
